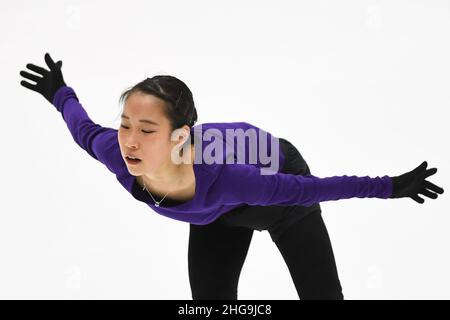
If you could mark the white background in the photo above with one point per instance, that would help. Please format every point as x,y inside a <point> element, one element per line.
<point>360,88</point>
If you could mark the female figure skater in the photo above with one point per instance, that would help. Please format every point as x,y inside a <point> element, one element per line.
<point>223,202</point>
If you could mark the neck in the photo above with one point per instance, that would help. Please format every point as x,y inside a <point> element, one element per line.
<point>172,176</point>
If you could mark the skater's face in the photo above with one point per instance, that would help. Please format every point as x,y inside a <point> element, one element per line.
<point>145,133</point>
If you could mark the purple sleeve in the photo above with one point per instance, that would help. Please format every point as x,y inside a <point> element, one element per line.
<point>99,142</point>
<point>241,183</point>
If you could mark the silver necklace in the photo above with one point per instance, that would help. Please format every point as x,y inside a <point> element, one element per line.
<point>156,202</point>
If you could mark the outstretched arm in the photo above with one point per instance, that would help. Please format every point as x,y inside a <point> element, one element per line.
<point>99,142</point>
<point>241,183</point>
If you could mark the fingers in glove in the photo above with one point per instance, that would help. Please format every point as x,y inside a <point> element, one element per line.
<point>29,85</point>
<point>428,193</point>
<point>421,167</point>
<point>50,63</point>
<point>30,76</point>
<point>430,172</point>
<point>418,199</point>
<point>429,185</point>
<point>37,69</point>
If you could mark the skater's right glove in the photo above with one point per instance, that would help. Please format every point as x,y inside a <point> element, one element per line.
<point>49,83</point>
<point>412,183</point>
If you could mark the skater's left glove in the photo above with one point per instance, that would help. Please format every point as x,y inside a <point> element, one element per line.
<point>412,183</point>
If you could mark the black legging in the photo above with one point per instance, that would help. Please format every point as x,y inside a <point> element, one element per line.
<point>217,251</point>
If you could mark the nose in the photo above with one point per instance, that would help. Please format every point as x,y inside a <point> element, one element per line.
<point>131,144</point>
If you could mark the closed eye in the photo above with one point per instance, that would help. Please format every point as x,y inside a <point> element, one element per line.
<point>142,130</point>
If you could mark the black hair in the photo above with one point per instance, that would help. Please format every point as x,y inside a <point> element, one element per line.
<point>178,97</point>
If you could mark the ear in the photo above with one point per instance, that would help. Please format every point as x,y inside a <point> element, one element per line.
<point>184,136</point>
<point>180,136</point>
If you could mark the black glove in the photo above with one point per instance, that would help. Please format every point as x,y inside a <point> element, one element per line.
<point>49,83</point>
<point>412,183</point>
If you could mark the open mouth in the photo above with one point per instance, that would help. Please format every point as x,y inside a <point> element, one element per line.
<point>132,161</point>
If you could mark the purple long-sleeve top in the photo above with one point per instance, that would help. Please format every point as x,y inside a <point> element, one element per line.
<point>219,186</point>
